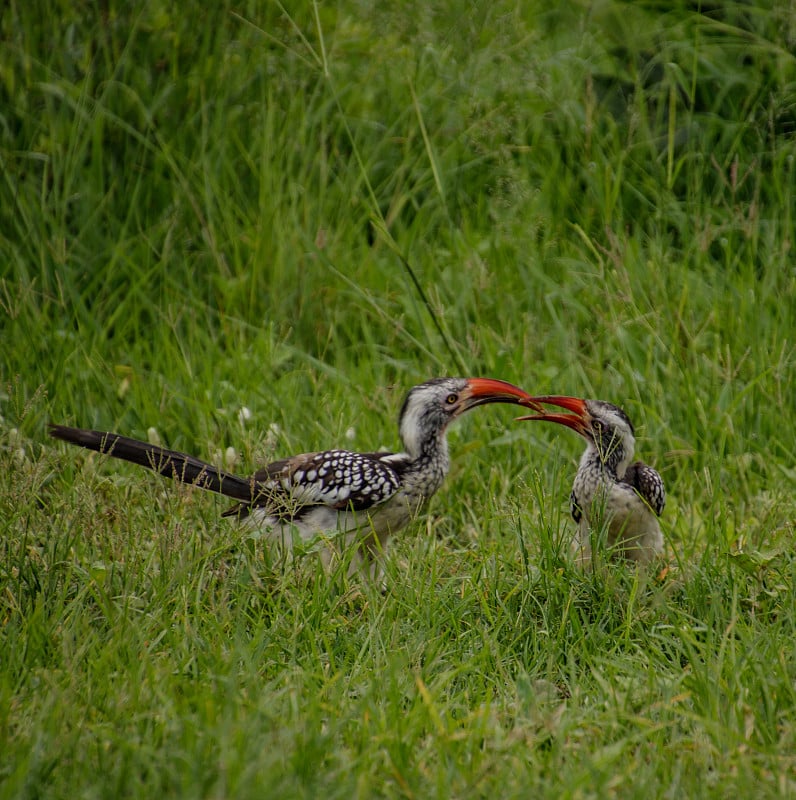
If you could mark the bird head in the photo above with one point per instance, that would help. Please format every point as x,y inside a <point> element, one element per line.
<point>605,426</point>
<point>431,406</point>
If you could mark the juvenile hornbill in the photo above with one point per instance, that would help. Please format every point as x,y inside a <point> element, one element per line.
<point>359,496</point>
<point>626,498</point>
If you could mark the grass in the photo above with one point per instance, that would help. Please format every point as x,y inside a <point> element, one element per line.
<point>304,211</point>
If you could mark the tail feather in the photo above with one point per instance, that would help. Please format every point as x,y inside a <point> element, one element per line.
<point>169,463</point>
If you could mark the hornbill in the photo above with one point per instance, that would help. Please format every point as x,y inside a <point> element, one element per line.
<point>364,497</point>
<point>610,491</point>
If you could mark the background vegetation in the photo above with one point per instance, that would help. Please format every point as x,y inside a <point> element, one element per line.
<point>304,209</point>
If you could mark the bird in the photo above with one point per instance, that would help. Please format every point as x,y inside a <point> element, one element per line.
<point>362,497</point>
<point>610,490</point>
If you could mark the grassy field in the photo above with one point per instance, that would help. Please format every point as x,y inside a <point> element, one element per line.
<point>302,211</point>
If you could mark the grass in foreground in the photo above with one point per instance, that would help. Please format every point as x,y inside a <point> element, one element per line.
<point>160,652</point>
<point>199,214</point>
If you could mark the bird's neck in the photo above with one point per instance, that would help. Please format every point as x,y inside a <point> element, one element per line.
<point>426,463</point>
<point>425,448</point>
<point>611,463</point>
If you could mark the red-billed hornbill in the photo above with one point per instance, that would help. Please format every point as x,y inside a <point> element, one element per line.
<point>361,496</point>
<point>609,491</point>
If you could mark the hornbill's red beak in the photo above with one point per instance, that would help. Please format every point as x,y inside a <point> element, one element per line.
<point>490,390</point>
<point>579,420</point>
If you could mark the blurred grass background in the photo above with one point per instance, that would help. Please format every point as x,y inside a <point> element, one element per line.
<point>303,210</point>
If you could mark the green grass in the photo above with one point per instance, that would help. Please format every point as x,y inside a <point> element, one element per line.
<point>304,211</point>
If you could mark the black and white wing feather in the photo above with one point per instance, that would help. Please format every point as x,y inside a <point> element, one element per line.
<point>337,479</point>
<point>649,485</point>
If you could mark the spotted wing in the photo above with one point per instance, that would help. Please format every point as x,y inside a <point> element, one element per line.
<point>649,484</point>
<point>338,479</point>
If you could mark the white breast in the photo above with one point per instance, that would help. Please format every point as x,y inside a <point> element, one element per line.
<point>627,520</point>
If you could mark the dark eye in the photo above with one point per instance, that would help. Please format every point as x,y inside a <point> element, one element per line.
<point>451,399</point>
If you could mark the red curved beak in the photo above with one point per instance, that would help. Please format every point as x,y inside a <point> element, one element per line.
<point>492,390</point>
<point>578,420</point>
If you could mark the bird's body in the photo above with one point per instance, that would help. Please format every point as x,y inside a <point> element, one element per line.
<point>334,494</point>
<point>611,493</point>
<point>375,494</point>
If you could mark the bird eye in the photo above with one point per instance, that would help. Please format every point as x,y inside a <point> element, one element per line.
<point>451,399</point>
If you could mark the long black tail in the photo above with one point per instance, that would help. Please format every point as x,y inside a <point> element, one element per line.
<point>179,466</point>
